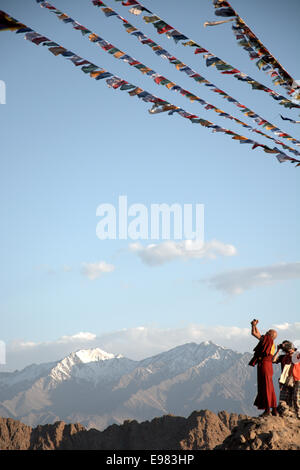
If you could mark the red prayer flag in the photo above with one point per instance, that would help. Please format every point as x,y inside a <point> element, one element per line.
<point>81,63</point>
<point>128,3</point>
<point>256,145</point>
<point>159,79</point>
<point>107,47</point>
<point>199,50</point>
<point>39,40</point>
<point>118,84</point>
<point>231,71</point>
<point>165,29</point>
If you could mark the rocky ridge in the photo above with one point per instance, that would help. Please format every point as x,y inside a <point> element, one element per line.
<point>269,433</point>
<point>202,430</point>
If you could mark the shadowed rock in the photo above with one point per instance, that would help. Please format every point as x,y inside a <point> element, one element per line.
<point>201,430</point>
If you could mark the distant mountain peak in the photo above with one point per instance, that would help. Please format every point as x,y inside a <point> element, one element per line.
<point>85,356</point>
<point>94,354</point>
<point>63,368</point>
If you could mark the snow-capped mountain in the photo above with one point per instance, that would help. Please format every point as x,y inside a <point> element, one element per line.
<point>90,365</point>
<point>98,388</point>
<point>188,355</point>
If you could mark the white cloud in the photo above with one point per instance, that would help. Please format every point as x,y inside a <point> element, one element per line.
<point>158,254</point>
<point>142,341</point>
<point>95,270</point>
<point>239,280</point>
<point>282,326</point>
<point>81,336</point>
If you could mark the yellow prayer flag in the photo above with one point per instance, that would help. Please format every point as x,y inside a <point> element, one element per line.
<point>93,37</point>
<point>168,107</point>
<point>119,54</point>
<point>136,91</point>
<point>130,30</point>
<point>145,70</point>
<point>97,73</point>
<point>189,43</point>
<point>240,20</point>
<point>107,10</point>
<point>151,19</point>
<point>170,85</point>
<point>179,66</point>
<point>239,137</point>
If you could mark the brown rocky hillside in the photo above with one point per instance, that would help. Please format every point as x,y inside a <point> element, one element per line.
<point>269,433</point>
<point>202,430</point>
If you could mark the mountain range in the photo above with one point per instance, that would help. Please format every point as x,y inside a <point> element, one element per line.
<point>97,389</point>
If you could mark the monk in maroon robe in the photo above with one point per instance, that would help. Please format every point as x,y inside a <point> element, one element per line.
<point>263,355</point>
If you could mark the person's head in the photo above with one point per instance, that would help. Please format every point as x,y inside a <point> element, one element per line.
<point>288,347</point>
<point>272,333</point>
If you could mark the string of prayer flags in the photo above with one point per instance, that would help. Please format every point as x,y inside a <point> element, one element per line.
<point>256,49</point>
<point>159,105</point>
<point>214,23</point>
<point>288,119</point>
<point>210,59</point>
<point>158,79</point>
<point>182,67</point>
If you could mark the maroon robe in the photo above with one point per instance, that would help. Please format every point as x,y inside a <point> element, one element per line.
<point>266,396</point>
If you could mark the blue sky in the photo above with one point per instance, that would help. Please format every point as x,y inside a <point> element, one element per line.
<point>69,143</point>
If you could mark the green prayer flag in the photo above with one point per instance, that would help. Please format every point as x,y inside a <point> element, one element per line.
<point>89,68</point>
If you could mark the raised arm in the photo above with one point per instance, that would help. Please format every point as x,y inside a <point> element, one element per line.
<point>275,357</point>
<point>254,329</point>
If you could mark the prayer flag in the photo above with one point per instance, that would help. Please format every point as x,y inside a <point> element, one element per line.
<point>7,23</point>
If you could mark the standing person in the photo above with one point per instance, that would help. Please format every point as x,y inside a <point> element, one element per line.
<point>263,356</point>
<point>296,377</point>
<point>285,359</point>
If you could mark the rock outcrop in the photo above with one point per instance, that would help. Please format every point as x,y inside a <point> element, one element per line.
<point>202,430</point>
<point>268,433</point>
<point>14,435</point>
